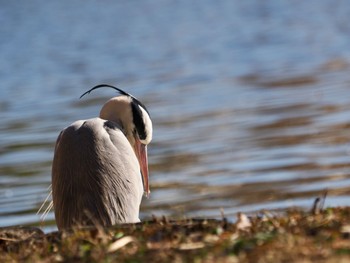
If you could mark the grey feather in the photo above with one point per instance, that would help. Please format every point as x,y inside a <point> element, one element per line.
<point>95,176</point>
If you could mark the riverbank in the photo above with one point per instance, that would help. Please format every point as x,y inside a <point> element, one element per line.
<point>294,236</point>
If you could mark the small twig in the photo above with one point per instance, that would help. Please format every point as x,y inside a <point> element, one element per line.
<point>165,220</point>
<point>122,242</point>
<point>10,239</point>
<point>318,204</point>
<point>315,210</point>
<point>223,218</point>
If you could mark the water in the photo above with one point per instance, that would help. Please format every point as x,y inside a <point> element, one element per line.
<point>249,99</point>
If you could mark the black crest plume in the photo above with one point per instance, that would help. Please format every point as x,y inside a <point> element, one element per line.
<point>122,92</point>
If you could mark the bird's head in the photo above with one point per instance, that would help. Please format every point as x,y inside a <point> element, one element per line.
<point>136,123</point>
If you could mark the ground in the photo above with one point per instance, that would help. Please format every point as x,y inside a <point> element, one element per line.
<point>292,236</point>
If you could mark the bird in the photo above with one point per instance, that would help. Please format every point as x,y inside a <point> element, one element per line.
<point>100,165</point>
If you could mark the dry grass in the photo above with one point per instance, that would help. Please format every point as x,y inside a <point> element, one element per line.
<point>296,236</point>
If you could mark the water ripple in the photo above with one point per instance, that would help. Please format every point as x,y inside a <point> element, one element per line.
<point>249,99</point>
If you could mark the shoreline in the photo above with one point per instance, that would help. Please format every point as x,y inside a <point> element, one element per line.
<point>317,235</point>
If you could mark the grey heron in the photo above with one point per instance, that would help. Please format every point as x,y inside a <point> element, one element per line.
<point>100,165</point>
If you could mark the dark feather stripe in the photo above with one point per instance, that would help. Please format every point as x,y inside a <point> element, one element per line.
<point>138,120</point>
<point>136,111</point>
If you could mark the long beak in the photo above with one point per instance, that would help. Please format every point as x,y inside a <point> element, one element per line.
<point>141,154</point>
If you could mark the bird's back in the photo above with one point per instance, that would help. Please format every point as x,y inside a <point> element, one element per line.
<point>95,176</point>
